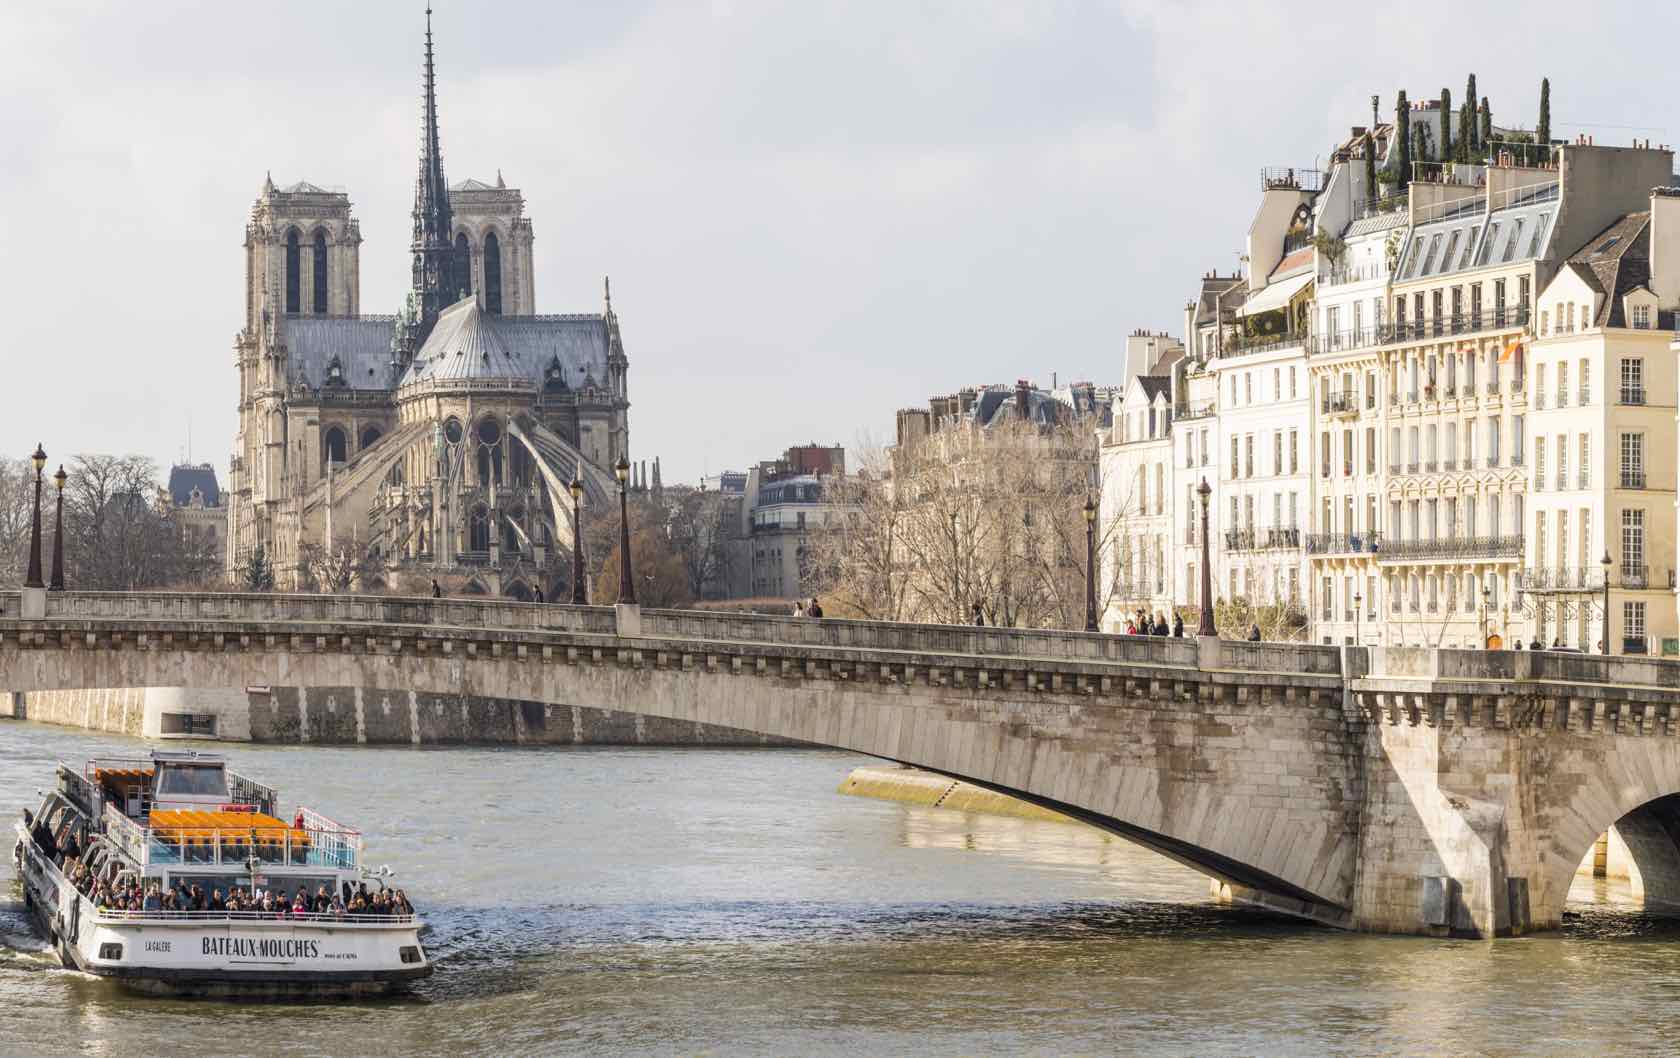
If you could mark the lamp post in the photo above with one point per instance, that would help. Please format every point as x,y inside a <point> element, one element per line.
<point>1358,612</point>
<point>956,575</point>
<point>34,580</point>
<point>580,591</point>
<point>58,533</point>
<point>1204,490</point>
<point>1605,562</point>
<point>626,582</point>
<point>1090,563</point>
<point>1487,601</point>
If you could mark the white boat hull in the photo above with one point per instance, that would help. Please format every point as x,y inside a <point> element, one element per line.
<point>218,954</point>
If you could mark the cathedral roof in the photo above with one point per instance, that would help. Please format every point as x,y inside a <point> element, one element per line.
<point>471,184</point>
<point>304,187</point>
<point>469,343</point>
<point>360,344</point>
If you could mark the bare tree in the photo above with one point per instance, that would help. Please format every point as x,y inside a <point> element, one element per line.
<point>699,534</point>
<point>969,517</point>
<point>17,493</point>
<point>349,563</point>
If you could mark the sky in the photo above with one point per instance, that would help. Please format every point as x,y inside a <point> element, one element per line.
<point>813,213</point>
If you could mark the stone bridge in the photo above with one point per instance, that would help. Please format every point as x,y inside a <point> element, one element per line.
<point>1383,789</point>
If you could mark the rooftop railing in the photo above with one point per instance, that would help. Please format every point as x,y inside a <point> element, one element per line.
<point>1343,543</point>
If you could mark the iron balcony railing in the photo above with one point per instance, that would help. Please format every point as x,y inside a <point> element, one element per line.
<point>1413,467</point>
<point>1273,177</point>
<point>1262,539</point>
<point>1449,464</point>
<point>1345,274</point>
<point>1560,579</point>
<point>1342,403</point>
<point>1635,577</point>
<point>1453,548</point>
<point>1414,330</point>
<point>1200,409</point>
<point>1343,543</point>
<point>1633,395</point>
<point>1633,479</point>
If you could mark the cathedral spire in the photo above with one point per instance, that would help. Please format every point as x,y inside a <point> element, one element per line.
<point>434,254</point>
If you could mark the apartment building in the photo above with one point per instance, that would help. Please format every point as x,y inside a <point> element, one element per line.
<point>1346,372</point>
<point>1454,374</point>
<point>1136,468</point>
<point>1602,395</point>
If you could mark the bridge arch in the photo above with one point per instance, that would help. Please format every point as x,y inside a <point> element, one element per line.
<point>1632,784</point>
<point>1157,752</point>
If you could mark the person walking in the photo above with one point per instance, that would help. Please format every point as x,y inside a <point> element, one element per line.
<point>979,616</point>
<point>815,609</point>
<point>1254,633</point>
<point>437,591</point>
<point>1178,626</point>
<point>799,607</point>
<point>1161,624</point>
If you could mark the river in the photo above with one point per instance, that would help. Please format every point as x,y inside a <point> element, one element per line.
<point>654,901</point>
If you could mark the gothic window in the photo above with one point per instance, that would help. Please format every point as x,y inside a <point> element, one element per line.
<point>293,295</point>
<point>334,444</point>
<point>320,273</point>
<point>478,531</point>
<point>369,435</point>
<point>452,430</point>
<point>521,466</point>
<point>462,285</point>
<point>492,274</point>
<point>510,535</point>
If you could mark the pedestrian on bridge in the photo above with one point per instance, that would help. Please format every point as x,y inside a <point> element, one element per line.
<point>815,609</point>
<point>979,616</point>
<point>437,592</point>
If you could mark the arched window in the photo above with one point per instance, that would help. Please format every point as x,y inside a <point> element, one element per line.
<point>462,283</point>
<point>334,445</point>
<point>369,435</point>
<point>293,293</point>
<point>521,465</point>
<point>492,274</point>
<point>510,535</point>
<point>320,272</point>
<point>478,531</point>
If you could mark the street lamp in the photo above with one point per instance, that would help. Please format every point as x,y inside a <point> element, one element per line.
<point>1487,602</point>
<point>1204,490</point>
<point>1605,562</point>
<point>58,533</point>
<point>626,583</point>
<point>580,592</point>
<point>34,580</point>
<point>956,574</point>
<point>1090,563</point>
<point>1358,612</point>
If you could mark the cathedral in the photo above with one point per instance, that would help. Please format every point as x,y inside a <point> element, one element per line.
<point>442,440</point>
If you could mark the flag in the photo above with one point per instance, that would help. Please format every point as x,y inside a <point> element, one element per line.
<point>1512,347</point>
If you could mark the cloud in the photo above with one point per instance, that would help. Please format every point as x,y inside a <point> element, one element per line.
<point>814,213</point>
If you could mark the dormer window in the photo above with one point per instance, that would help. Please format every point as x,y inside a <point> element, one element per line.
<point>1642,317</point>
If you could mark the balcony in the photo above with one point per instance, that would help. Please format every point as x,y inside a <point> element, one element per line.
<point>1343,543</point>
<point>1201,409</point>
<point>1339,404</point>
<point>1633,479</point>
<point>1292,179</point>
<point>1411,468</point>
<point>1493,388</point>
<point>1431,466</point>
<point>1560,580</point>
<point>1262,539</point>
<point>1449,464</point>
<point>1634,578</point>
<point>1633,395</point>
<point>1584,481</point>
<point>1452,548</point>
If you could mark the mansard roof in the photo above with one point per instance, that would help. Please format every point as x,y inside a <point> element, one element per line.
<point>185,478</point>
<point>469,343</point>
<point>1616,261</point>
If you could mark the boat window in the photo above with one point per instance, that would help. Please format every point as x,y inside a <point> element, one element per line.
<point>192,781</point>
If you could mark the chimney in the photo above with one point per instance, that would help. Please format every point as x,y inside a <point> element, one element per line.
<point>1023,404</point>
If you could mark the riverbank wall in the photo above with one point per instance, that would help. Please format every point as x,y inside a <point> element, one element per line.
<point>353,715</point>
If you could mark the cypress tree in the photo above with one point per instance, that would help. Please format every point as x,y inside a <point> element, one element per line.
<point>1470,97</point>
<point>1420,143</point>
<point>1370,148</point>
<point>1543,131</point>
<point>1446,125</point>
<point>1487,124</point>
<point>1403,141</point>
<point>1466,125</point>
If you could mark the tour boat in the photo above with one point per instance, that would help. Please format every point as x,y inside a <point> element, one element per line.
<point>185,818</point>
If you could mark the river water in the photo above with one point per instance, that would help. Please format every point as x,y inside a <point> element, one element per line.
<point>641,901</point>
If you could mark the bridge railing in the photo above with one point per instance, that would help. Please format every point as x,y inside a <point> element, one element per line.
<point>331,609</point>
<point>700,625</point>
<point>916,638</point>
